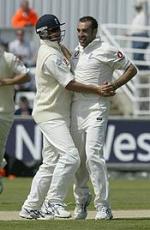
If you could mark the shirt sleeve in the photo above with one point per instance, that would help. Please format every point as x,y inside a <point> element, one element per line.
<point>115,58</point>
<point>18,67</point>
<point>58,68</point>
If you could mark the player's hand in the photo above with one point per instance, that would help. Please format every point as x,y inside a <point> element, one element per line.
<point>106,90</point>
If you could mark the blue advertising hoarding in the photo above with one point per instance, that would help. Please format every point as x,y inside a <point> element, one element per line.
<point>127,141</point>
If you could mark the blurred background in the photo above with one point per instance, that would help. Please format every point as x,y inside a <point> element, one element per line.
<point>127,147</point>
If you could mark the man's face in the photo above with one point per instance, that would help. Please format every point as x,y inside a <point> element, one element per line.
<point>86,33</point>
<point>20,35</point>
<point>55,34</point>
<point>25,5</point>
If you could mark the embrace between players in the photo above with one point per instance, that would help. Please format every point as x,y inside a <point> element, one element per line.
<point>71,108</point>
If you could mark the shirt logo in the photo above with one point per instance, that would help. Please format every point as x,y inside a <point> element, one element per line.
<point>56,21</point>
<point>59,62</point>
<point>120,55</point>
<point>99,118</point>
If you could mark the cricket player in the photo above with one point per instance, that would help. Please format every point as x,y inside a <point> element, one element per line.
<point>12,71</point>
<point>51,112</point>
<point>94,62</point>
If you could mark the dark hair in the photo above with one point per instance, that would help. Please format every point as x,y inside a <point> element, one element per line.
<point>90,19</point>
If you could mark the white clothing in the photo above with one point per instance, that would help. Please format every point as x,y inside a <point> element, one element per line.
<point>60,161</point>
<point>9,67</point>
<point>23,50</point>
<point>52,75</point>
<point>138,22</point>
<point>88,134</point>
<point>4,131</point>
<point>93,64</point>
<point>52,113</point>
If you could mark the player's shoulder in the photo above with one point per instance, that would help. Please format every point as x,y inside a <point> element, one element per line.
<point>47,49</point>
<point>9,56</point>
<point>105,46</point>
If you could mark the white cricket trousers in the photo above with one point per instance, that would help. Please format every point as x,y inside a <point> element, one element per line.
<point>60,162</point>
<point>88,127</point>
<point>5,127</point>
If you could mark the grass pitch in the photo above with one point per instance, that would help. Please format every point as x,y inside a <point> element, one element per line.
<point>124,194</point>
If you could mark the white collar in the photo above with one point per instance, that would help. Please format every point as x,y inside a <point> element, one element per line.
<point>92,43</point>
<point>49,43</point>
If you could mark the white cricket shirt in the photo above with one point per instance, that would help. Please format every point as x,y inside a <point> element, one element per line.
<point>138,22</point>
<point>10,66</point>
<point>95,64</point>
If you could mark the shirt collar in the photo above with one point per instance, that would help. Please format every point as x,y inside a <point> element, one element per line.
<point>97,40</point>
<point>49,43</point>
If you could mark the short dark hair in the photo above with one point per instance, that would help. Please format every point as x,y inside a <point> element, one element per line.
<point>91,19</point>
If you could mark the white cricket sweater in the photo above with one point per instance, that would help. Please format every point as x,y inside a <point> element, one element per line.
<point>52,100</point>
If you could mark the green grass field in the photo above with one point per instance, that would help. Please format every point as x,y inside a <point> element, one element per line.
<point>124,194</point>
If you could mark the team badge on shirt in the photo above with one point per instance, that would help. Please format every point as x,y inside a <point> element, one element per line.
<point>66,62</point>
<point>59,62</point>
<point>120,55</point>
